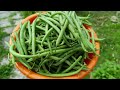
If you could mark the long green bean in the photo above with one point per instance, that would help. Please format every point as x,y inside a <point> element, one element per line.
<point>62,75</point>
<point>61,33</point>
<point>30,33</point>
<point>69,68</point>
<point>36,55</point>
<point>33,36</point>
<point>22,39</point>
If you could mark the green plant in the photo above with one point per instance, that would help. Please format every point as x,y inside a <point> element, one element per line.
<point>3,51</point>
<point>6,70</point>
<point>107,70</point>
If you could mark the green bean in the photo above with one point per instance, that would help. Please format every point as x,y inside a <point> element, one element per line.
<point>62,75</point>
<point>86,22</point>
<point>98,39</point>
<point>52,12</point>
<point>70,12</point>
<point>25,35</point>
<point>88,36</point>
<point>60,47</point>
<point>66,42</point>
<point>56,18</point>
<point>29,60</point>
<point>49,64</point>
<point>68,37</point>
<point>13,59</point>
<point>76,67</point>
<point>65,16</point>
<point>50,23</point>
<point>71,36</point>
<point>22,40</point>
<point>52,38</point>
<point>33,65</point>
<point>30,33</point>
<point>84,40</point>
<point>46,28</point>
<point>63,21</point>
<point>66,57</point>
<point>41,28</point>
<point>67,61</point>
<point>48,14</point>
<point>43,62</point>
<point>45,69</point>
<point>33,36</point>
<point>55,58</point>
<point>62,42</point>
<point>72,30</point>
<point>84,47</point>
<point>44,43</point>
<point>13,41</point>
<point>59,68</point>
<point>49,45</point>
<point>84,18</point>
<point>24,62</point>
<point>73,49</point>
<point>39,38</point>
<point>40,47</point>
<point>48,41</point>
<point>66,12</point>
<point>61,33</point>
<point>47,34</point>
<point>60,19</point>
<point>76,23</point>
<point>69,68</point>
<point>86,56</point>
<point>75,59</point>
<point>37,55</point>
<point>54,21</point>
<point>18,43</point>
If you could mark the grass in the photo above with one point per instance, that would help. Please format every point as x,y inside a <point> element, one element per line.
<point>6,70</point>
<point>3,51</point>
<point>107,70</point>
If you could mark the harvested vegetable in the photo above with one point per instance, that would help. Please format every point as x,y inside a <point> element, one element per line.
<point>55,44</point>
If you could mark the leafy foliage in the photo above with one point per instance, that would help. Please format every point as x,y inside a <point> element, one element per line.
<point>6,70</point>
<point>107,70</point>
<point>3,51</point>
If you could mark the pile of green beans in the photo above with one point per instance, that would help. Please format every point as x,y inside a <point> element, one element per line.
<point>54,44</point>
